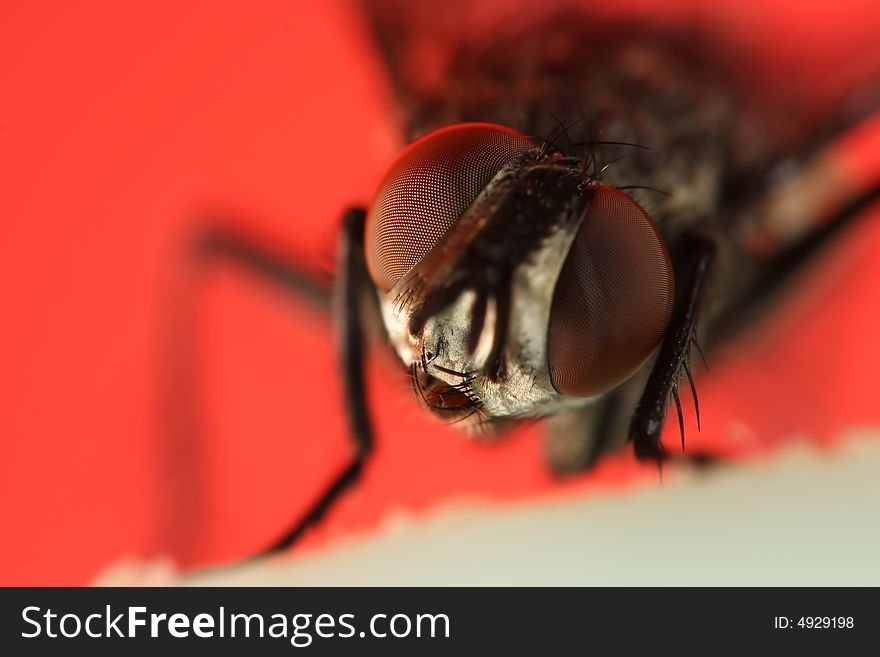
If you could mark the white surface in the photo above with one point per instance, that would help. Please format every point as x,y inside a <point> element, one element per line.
<point>807,517</point>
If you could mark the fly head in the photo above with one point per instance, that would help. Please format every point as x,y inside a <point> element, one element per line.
<point>512,282</point>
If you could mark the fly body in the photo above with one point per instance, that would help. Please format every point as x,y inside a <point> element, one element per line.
<point>689,148</point>
<point>583,205</point>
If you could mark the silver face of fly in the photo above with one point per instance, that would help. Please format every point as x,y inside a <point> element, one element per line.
<point>441,348</point>
<point>531,295</point>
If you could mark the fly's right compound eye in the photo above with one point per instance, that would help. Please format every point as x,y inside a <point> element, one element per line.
<point>613,298</point>
<point>427,189</point>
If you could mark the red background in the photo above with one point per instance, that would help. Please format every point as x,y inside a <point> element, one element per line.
<point>118,120</point>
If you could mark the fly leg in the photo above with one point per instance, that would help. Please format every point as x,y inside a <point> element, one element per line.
<point>221,243</point>
<point>801,216</point>
<point>672,359</point>
<point>794,223</point>
<point>352,279</point>
<point>181,441</point>
<point>182,481</point>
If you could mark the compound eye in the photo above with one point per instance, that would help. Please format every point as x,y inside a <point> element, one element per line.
<point>427,189</point>
<point>613,299</point>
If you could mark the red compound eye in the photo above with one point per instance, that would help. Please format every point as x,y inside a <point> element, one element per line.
<point>427,189</point>
<point>613,299</point>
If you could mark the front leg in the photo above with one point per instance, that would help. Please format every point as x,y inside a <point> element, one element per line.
<point>351,287</point>
<point>672,360</point>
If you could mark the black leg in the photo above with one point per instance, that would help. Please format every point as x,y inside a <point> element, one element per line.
<point>216,242</point>
<point>181,441</point>
<point>352,280</point>
<point>784,266</point>
<point>181,480</point>
<point>671,363</point>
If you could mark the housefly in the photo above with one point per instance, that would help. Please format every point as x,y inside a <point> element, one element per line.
<point>586,205</point>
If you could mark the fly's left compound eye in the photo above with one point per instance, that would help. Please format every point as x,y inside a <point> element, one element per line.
<point>613,299</point>
<point>427,189</point>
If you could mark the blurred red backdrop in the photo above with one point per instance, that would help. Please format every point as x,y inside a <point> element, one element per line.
<point>118,120</point>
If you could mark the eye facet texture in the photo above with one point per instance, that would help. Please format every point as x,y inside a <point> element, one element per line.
<point>427,189</point>
<point>613,299</point>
